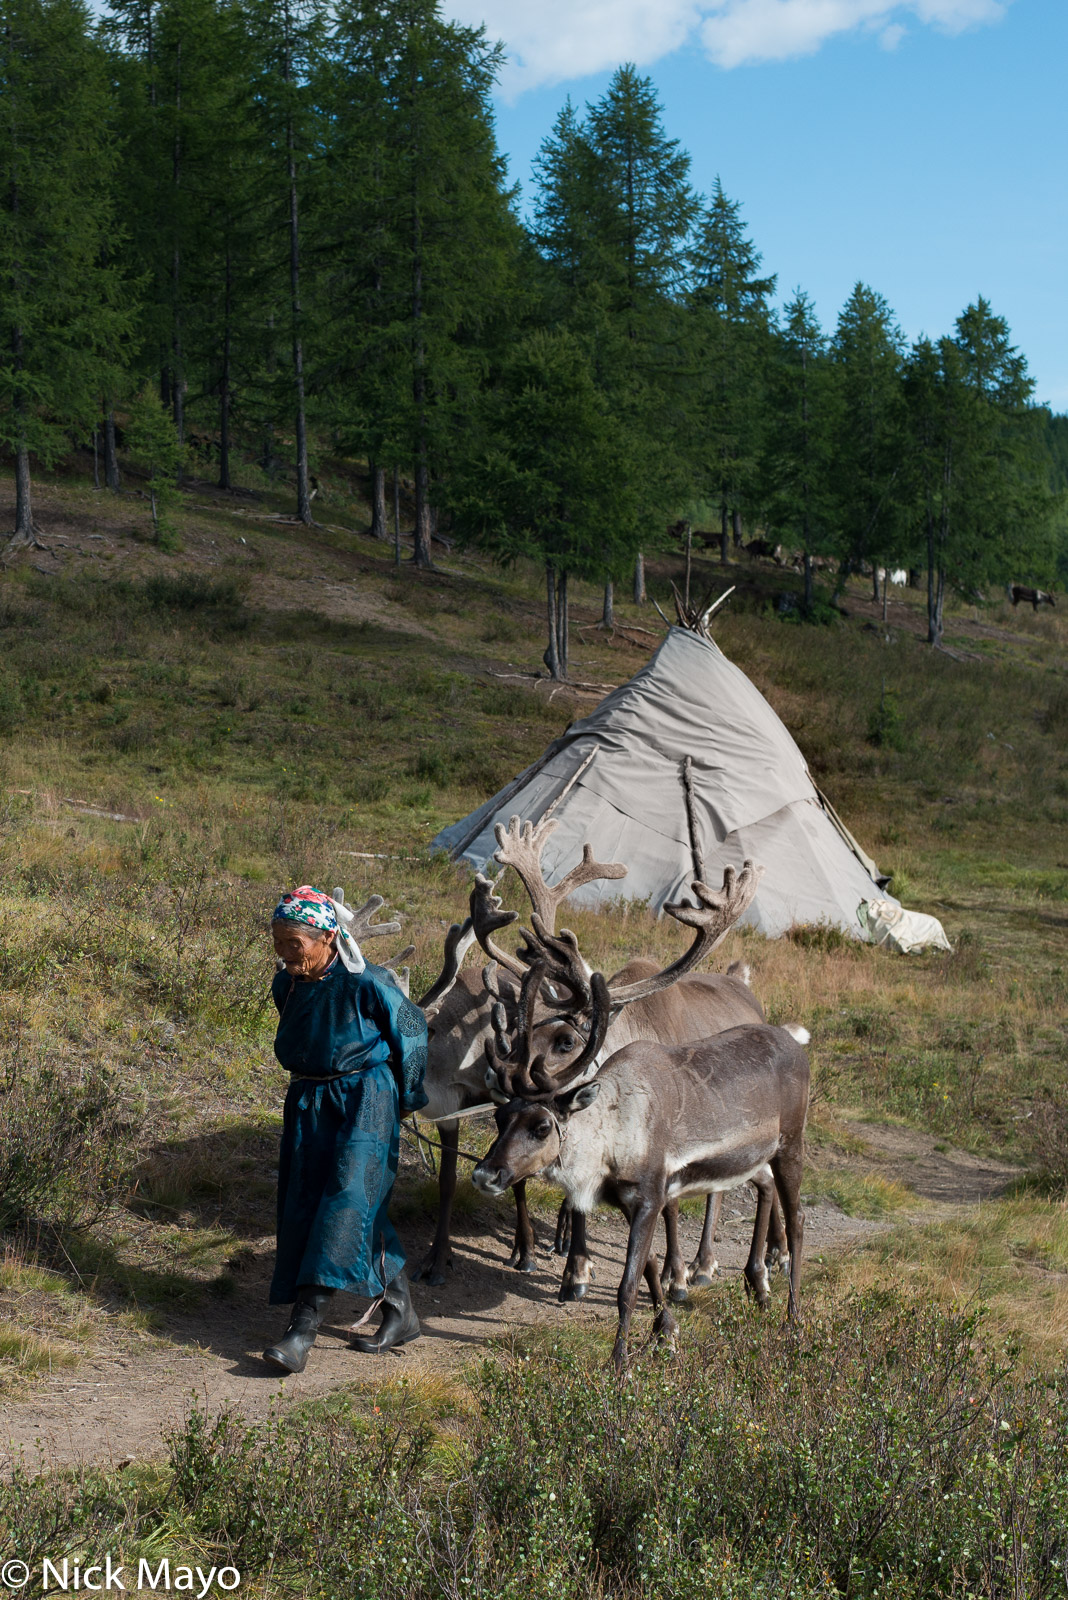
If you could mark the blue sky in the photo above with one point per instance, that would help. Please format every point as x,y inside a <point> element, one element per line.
<point>918,146</point>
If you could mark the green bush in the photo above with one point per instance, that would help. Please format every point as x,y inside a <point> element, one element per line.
<point>189,591</point>
<point>63,1143</point>
<point>878,1453</point>
<point>886,725</point>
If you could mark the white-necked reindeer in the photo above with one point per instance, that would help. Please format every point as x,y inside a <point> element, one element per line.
<point>695,1007</point>
<point>653,1123</point>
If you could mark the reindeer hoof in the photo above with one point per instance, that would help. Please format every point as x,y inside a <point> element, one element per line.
<point>523,1263</point>
<point>678,1294</point>
<point>703,1280</point>
<point>429,1273</point>
<point>572,1291</point>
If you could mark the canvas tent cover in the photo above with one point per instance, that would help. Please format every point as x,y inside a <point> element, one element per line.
<point>617,779</point>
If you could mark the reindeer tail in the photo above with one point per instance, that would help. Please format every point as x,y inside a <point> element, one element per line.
<point>742,971</point>
<point>796,1031</point>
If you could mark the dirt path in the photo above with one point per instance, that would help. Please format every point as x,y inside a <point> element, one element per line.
<point>118,1404</point>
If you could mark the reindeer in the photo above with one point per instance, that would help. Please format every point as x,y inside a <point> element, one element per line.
<point>655,1122</point>
<point>1036,597</point>
<point>462,1026</point>
<point>701,1005</point>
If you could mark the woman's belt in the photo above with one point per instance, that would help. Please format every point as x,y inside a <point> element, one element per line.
<point>305,1077</point>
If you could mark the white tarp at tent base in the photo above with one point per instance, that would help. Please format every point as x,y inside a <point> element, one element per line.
<point>685,763</point>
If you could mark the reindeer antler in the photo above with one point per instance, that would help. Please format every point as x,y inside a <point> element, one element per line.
<point>458,941</point>
<point>713,918</point>
<point>487,918</point>
<point>361,927</point>
<point>520,846</point>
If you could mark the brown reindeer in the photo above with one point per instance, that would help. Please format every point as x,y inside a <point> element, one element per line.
<point>654,1123</point>
<point>1036,597</point>
<point>700,1005</point>
<point>461,1028</point>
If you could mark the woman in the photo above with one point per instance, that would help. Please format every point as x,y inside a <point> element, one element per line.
<point>356,1049</point>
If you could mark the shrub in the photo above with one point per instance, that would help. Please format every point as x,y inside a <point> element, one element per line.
<point>189,591</point>
<point>63,1142</point>
<point>886,725</point>
<point>878,1452</point>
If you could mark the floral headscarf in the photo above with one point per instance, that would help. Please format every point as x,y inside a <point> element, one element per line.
<point>328,914</point>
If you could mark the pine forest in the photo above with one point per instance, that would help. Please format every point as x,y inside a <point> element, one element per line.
<point>247,236</point>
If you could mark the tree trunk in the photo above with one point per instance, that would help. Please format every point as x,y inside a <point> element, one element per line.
<point>23,535</point>
<point>736,527</point>
<point>608,613</point>
<point>155,512</point>
<point>423,554</point>
<point>562,624</point>
<point>111,460</point>
<point>379,526</point>
<point>808,580</point>
<point>304,511</point>
<point>396,517</point>
<point>724,534</point>
<point>96,459</point>
<point>551,657</point>
<point>24,530</point>
<point>224,387</point>
<point>639,579</point>
<point>689,559</point>
<point>875,583</point>
<point>176,270</point>
<point>935,584</point>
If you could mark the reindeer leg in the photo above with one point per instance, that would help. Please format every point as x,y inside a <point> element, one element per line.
<point>522,1256</point>
<point>578,1272</point>
<point>642,1228</point>
<point>778,1245</point>
<point>704,1263</point>
<point>673,1277</point>
<point>562,1243</point>
<point>665,1328</point>
<point>432,1267</point>
<point>786,1166</point>
<point>756,1273</point>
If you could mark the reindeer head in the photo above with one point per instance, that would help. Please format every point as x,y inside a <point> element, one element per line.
<point>529,1138</point>
<point>557,1028</point>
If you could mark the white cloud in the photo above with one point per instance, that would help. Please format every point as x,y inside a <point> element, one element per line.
<point>739,32</point>
<point>550,41</point>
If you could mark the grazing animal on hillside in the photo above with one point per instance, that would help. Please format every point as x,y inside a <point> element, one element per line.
<point>702,1004</point>
<point>653,1123</point>
<point>1036,597</point>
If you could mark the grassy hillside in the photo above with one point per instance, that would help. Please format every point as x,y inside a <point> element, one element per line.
<point>182,734</point>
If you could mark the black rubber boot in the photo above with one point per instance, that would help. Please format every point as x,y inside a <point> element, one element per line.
<point>291,1351</point>
<point>399,1323</point>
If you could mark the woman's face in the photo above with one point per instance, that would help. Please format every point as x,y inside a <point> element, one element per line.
<point>306,951</point>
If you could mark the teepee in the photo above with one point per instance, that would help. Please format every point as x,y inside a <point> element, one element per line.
<point>678,773</point>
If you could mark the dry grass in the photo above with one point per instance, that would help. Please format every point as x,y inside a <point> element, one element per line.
<point>1010,1256</point>
<point>251,746</point>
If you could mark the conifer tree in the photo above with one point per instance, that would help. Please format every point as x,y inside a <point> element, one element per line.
<point>732,327</point>
<point>61,316</point>
<point>867,354</point>
<point>421,233</point>
<point>552,482</point>
<point>613,218</point>
<point>977,464</point>
<point>799,435</point>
